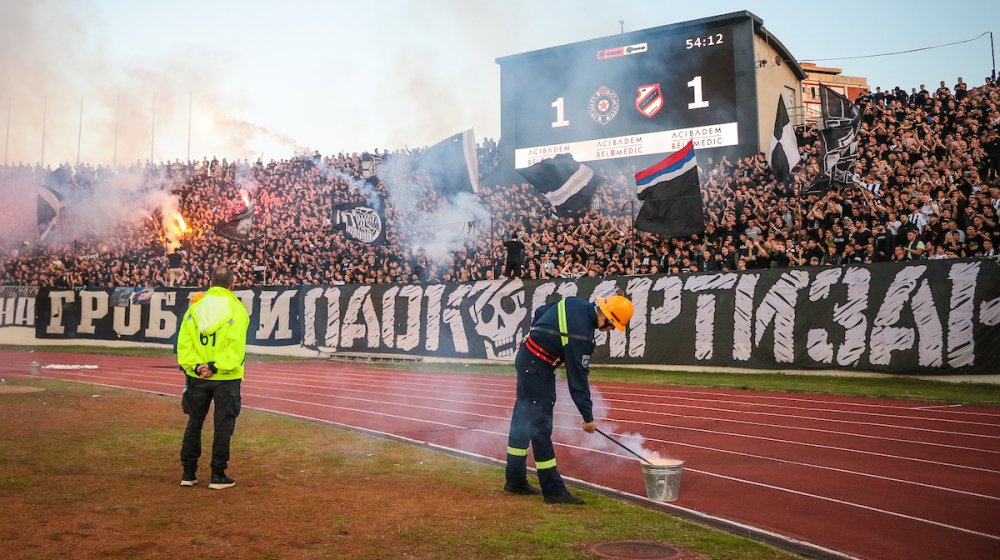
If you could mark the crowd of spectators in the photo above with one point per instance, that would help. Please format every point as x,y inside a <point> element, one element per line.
<point>931,159</point>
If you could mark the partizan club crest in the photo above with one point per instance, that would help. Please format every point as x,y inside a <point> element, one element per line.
<point>603,105</point>
<point>649,99</point>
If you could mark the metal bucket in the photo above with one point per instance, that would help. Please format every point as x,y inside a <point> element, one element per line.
<point>663,480</point>
<point>36,368</point>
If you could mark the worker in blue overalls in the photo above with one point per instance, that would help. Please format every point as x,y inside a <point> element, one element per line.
<point>561,333</point>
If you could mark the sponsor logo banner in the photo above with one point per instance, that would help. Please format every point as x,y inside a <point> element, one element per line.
<point>662,142</point>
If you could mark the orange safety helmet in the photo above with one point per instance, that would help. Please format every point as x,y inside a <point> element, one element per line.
<point>617,308</point>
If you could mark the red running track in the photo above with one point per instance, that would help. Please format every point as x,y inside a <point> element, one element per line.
<point>845,476</point>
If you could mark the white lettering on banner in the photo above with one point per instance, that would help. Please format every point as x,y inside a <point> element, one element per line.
<point>616,341</point>
<point>277,314</point>
<point>989,312</point>
<point>360,319</point>
<point>887,338</point>
<point>309,306</point>
<point>638,292</point>
<point>704,321</point>
<point>452,315</point>
<point>434,294</point>
<point>17,311</point>
<point>411,337</point>
<point>652,143</point>
<point>309,298</point>
<point>93,306</point>
<point>56,302</point>
<point>778,307</point>
<point>25,311</point>
<point>162,323</point>
<point>743,316</point>
<point>7,311</point>
<point>930,328</point>
<point>127,319</point>
<point>850,316</point>
<point>389,317</point>
<point>246,297</point>
<point>671,287</point>
<point>961,345</point>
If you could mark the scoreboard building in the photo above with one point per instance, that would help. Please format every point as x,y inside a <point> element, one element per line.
<point>630,99</point>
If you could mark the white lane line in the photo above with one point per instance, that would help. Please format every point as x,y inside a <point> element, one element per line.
<point>298,390</point>
<point>667,392</point>
<point>610,396</point>
<point>821,467</point>
<point>669,414</point>
<point>849,504</point>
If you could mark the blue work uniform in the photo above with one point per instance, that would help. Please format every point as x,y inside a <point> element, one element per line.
<point>561,332</point>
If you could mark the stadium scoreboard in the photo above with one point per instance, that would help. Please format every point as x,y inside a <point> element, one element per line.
<point>635,95</point>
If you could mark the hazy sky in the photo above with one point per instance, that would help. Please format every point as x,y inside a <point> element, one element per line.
<point>273,78</point>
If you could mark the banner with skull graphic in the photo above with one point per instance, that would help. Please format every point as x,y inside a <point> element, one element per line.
<point>928,317</point>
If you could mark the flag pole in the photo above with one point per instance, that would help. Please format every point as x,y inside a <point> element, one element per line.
<point>631,226</point>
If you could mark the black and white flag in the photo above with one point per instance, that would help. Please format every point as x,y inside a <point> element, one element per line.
<point>237,227</point>
<point>839,128</point>
<point>567,184</point>
<point>874,188</point>
<point>451,164</point>
<point>49,207</point>
<point>361,221</point>
<point>784,154</point>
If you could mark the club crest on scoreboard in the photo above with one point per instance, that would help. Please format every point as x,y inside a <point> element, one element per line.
<point>649,99</point>
<point>603,105</point>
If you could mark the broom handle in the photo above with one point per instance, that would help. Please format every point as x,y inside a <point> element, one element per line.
<point>622,446</point>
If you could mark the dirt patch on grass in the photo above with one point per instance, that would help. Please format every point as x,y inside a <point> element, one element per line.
<point>92,472</point>
<point>18,389</point>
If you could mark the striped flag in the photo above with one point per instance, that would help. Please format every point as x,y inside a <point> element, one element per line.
<point>567,184</point>
<point>675,165</point>
<point>671,196</point>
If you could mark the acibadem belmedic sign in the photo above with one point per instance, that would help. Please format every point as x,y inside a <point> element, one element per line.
<point>929,317</point>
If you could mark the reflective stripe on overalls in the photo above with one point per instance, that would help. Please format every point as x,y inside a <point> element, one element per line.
<point>563,329</point>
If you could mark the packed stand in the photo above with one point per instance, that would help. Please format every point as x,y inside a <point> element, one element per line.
<point>935,156</point>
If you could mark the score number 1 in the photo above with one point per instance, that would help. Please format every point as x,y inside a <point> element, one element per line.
<point>699,103</point>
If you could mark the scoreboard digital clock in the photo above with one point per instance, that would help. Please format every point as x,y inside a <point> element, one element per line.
<point>636,95</point>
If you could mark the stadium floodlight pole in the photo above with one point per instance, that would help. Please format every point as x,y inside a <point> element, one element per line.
<point>45,112</point>
<point>118,112</point>
<point>621,22</point>
<point>152,131</point>
<point>79,134</point>
<point>993,54</point>
<point>6,143</point>
<point>190,105</point>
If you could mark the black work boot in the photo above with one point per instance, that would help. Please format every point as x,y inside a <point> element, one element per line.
<point>564,498</point>
<point>521,487</point>
<point>220,481</point>
<point>189,478</point>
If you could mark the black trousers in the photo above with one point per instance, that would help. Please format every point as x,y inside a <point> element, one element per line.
<point>198,396</point>
<point>531,423</point>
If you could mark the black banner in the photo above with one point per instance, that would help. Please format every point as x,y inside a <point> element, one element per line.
<point>154,316</point>
<point>930,317</point>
